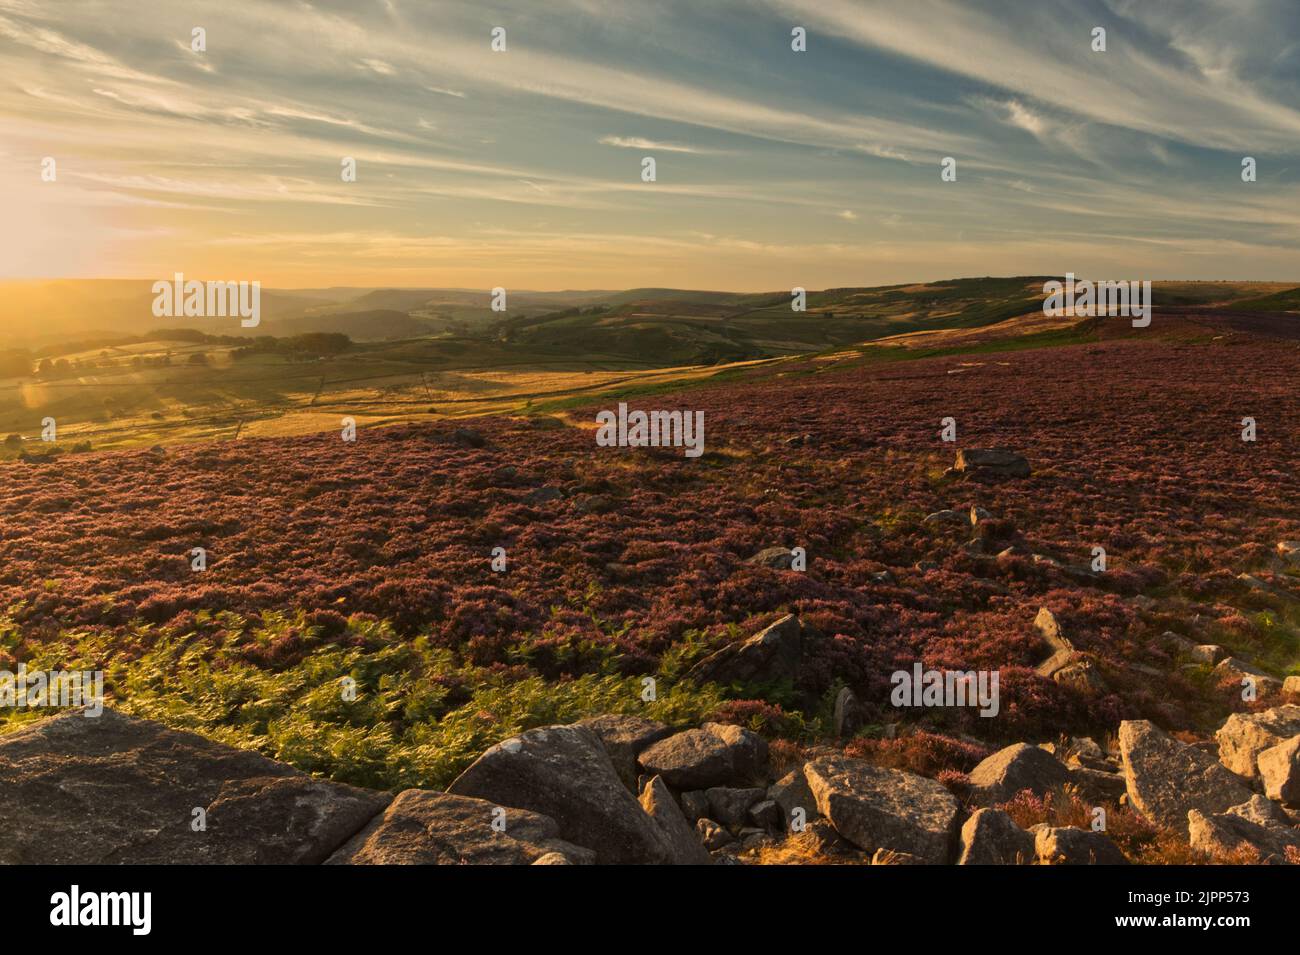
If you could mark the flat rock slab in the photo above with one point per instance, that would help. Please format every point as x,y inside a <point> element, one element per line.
<point>114,789</point>
<point>564,772</point>
<point>1166,779</point>
<point>423,827</point>
<point>877,808</point>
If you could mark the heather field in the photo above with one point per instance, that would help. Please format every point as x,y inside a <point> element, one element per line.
<point>373,559</point>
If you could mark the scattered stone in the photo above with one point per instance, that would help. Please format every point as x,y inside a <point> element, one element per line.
<point>680,834</point>
<point>765,814</point>
<point>594,504</point>
<point>1014,769</point>
<point>712,835</point>
<point>716,754</point>
<point>1165,778</point>
<point>1218,834</point>
<point>1083,675</point>
<point>777,558</point>
<point>1098,785</point>
<point>1291,686</point>
<point>978,515</point>
<point>1261,811</point>
<point>991,464</point>
<point>1069,846</point>
<point>1207,653</point>
<point>1084,751</point>
<point>945,517</point>
<point>730,806</point>
<point>468,438</point>
<point>423,827</point>
<point>564,772</point>
<point>1290,551</point>
<point>894,857</point>
<point>991,837</point>
<point>1245,735</point>
<point>624,737</point>
<point>695,804</point>
<point>792,792</point>
<point>1049,628</point>
<point>877,808</point>
<point>847,715</point>
<point>552,858</point>
<point>544,495</point>
<point>1058,661</point>
<point>1279,770</point>
<point>771,655</point>
<point>113,789</point>
<point>1237,669</point>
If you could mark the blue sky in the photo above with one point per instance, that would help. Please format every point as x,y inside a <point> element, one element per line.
<point>775,168</point>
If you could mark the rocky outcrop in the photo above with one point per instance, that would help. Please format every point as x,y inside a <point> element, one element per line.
<point>877,808</point>
<point>1014,769</point>
<point>114,789</point>
<point>1165,779</point>
<point>423,827</point>
<point>563,772</point>
<point>772,655</point>
<point>1245,735</point>
<point>716,754</point>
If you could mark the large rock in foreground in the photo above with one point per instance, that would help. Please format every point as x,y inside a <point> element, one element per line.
<point>877,808</point>
<point>113,789</point>
<point>422,827</point>
<point>716,754</point>
<point>1166,779</point>
<point>563,772</point>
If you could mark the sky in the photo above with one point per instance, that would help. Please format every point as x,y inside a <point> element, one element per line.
<point>774,168</point>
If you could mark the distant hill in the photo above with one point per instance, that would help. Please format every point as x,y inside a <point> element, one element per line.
<point>641,326</point>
